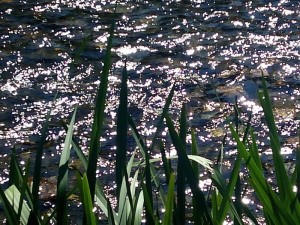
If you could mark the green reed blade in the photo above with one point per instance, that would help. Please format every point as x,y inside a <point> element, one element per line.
<point>17,178</point>
<point>254,151</point>
<point>24,187</point>
<point>99,116</point>
<point>166,162</point>
<point>148,186</point>
<point>285,188</point>
<point>110,216</point>
<point>238,201</point>
<point>85,198</point>
<point>226,203</point>
<point>125,194</point>
<point>160,123</point>
<point>62,179</point>
<point>139,209</point>
<point>192,180</point>
<point>168,215</point>
<point>150,214</point>
<point>10,199</point>
<point>262,189</point>
<point>248,213</point>
<point>141,145</point>
<point>180,210</point>
<point>100,197</point>
<point>196,217</point>
<point>15,174</point>
<point>121,139</point>
<point>38,161</point>
<point>234,174</point>
<point>88,202</point>
<point>297,170</point>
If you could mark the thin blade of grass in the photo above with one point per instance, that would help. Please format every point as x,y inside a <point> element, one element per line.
<point>190,175</point>
<point>94,147</point>
<point>100,197</point>
<point>62,180</point>
<point>180,210</point>
<point>139,209</point>
<point>285,189</point>
<point>168,215</point>
<point>38,162</point>
<point>121,132</point>
<point>148,189</point>
<point>141,145</point>
<point>196,217</point>
<point>166,162</point>
<point>86,199</point>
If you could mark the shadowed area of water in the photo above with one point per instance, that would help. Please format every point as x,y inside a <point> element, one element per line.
<point>212,50</point>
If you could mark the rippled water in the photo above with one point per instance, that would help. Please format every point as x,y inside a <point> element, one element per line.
<point>213,50</point>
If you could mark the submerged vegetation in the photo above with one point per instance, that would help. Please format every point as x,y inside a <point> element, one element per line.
<point>151,195</point>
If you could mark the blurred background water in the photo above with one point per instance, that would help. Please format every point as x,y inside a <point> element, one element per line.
<point>213,50</point>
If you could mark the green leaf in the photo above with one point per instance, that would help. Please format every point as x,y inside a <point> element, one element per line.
<point>121,132</point>
<point>11,203</point>
<point>170,202</point>
<point>62,180</point>
<point>180,210</point>
<point>88,202</point>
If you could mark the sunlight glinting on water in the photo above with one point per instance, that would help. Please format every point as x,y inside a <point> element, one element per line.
<point>212,51</point>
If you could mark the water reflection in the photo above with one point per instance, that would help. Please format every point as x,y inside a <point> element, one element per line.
<point>213,51</point>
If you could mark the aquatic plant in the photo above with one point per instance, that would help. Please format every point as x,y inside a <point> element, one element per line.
<point>140,193</point>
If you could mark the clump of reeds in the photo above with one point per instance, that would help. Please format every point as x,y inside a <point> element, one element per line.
<point>135,196</point>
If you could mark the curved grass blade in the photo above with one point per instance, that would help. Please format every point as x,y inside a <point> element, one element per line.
<point>62,180</point>
<point>99,117</point>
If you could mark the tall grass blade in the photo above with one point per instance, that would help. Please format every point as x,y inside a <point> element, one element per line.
<point>170,202</point>
<point>160,123</point>
<point>148,189</point>
<point>139,209</point>
<point>15,173</point>
<point>144,150</point>
<point>121,132</point>
<point>285,189</point>
<point>87,200</point>
<point>62,180</point>
<point>180,214</point>
<point>190,175</point>
<point>100,197</point>
<point>166,162</point>
<point>110,216</point>
<point>99,117</point>
<point>23,188</point>
<point>196,217</point>
<point>38,162</point>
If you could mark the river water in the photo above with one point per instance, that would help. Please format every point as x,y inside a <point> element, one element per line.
<point>213,51</point>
